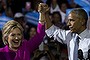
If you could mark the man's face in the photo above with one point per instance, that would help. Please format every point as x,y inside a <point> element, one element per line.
<point>56,18</point>
<point>15,38</point>
<point>63,7</point>
<point>74,23</point>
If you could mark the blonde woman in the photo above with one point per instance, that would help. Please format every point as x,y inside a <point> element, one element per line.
<point>16,47</point>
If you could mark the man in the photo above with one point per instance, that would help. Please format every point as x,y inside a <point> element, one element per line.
<point>19,17</point>
<point>77,21</point>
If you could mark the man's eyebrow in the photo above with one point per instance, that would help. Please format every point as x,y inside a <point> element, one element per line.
<point>71,19</point>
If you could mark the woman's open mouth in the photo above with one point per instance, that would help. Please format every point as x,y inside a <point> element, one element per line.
<point>16,42</point>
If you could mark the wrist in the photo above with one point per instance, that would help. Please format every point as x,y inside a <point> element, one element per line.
<point>41,17</point>
<point>42,22</point>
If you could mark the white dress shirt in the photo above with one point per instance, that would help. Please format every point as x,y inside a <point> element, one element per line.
<point>65,36</point>
<point>55,9</point>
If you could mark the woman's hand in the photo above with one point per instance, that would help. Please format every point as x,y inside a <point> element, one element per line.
<point>43,8</point>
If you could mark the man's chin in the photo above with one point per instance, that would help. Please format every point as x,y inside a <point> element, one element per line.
<point>72,31</point>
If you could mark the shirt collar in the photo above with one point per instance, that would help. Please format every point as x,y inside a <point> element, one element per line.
<point>83,34</point>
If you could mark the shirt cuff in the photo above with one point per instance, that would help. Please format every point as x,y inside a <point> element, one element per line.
<point>50,31</point>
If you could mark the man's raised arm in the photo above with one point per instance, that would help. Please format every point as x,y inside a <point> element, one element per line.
<point>44,15</point>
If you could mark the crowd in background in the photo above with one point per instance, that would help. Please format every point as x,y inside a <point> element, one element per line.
<point>19,10</point>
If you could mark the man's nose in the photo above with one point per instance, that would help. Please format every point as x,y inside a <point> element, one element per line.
<point>68,23</point>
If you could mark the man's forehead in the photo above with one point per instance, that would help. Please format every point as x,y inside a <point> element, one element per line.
<point>69,14</point>
<point>72,15</point>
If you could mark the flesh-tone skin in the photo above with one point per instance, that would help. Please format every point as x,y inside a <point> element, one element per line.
<point>14,39</point>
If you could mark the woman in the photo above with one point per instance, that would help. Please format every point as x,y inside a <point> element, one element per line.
<point>32,32</point>
<point>16,47</point>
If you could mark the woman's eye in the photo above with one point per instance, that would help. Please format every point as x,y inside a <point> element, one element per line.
<point>12,34</point>
<point>19,34</point>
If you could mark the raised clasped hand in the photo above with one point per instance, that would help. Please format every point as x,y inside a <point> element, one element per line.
<point>43,8</point>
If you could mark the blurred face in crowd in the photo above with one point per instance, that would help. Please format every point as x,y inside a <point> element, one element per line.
<point>75,23</point>
<point>53,1</point>
<point>32,32</point>
<point>22,21</point>
<point>15,38</point>
<point>63,7</point>
<point>28,6</point>
<point>56,18</point>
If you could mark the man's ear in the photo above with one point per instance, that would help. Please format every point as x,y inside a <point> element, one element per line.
<point>82,22</point>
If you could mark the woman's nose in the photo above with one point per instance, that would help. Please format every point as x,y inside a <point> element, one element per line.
<point>16,37</point>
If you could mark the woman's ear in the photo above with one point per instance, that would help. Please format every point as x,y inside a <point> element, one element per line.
<point>5,40</point>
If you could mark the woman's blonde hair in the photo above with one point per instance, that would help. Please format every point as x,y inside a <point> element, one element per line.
<point>8,27</point>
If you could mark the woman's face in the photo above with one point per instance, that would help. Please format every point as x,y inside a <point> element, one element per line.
<point>32,32</point>
<point>15,38</point>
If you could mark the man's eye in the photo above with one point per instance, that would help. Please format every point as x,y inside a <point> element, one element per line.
<point>71,20</point>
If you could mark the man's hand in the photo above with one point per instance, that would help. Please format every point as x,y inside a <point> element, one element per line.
<point>43,8</point>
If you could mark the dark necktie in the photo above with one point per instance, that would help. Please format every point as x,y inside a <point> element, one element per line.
<point>76,48</point>
<point>77,40</point>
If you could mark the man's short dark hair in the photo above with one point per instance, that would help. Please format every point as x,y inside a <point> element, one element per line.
<point>81,13</point>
